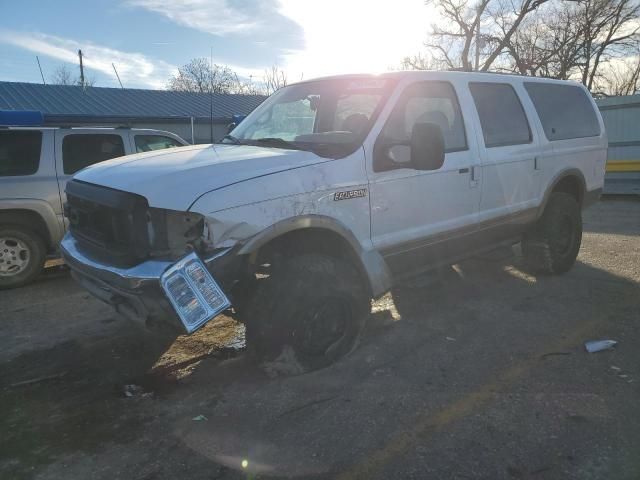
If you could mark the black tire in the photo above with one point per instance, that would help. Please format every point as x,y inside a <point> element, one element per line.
<point>18,242</point>
<point>314,304</point>
<point>552,246</point>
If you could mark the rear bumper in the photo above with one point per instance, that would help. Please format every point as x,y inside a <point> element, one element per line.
<point>134,292</point>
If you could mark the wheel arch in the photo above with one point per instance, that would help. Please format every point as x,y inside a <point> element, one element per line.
<point>569,181</point>
<point>38,219</point>
<point>326,235</point>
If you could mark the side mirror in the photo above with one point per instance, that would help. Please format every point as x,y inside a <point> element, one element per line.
<point>427,146</point>
<point>231,126</point>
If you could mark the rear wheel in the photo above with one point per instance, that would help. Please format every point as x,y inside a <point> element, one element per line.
<point>552,245</point>
<point>22,255</point>
<point>314,305</point>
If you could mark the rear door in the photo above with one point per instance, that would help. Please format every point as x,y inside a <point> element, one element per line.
<point>508,154</point>
<point>77,149</point>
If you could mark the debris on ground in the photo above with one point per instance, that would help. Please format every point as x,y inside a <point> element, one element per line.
<point>199,418</point>
<point>133,390</point>
<point>599,345</point>
<point>451,339</point>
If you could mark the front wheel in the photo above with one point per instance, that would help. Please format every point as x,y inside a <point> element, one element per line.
<point>22,256</point>
<point>552,245</point>
<point>314,305</point>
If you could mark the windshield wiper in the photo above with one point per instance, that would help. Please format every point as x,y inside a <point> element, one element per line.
<point>279,143</point>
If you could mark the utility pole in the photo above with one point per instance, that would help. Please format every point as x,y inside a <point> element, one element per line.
<point>118,76</point>
<point>211,94</point>
<point>81,69</point>
<point>41,74</point>
<point>478,43</point>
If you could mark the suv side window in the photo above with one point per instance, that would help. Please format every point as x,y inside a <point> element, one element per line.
<point>425,102</point>
<point>19,152</point>
<point>501,114</point>
<point>564,110</point>
<point>147,143</point>
<point>81,150</point>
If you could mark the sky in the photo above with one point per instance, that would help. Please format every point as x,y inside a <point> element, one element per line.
<point>147,40</point>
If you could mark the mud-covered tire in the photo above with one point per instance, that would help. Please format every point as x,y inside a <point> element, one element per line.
<point>552,245</point>
<point>314,305</point>
<point>28,249</point>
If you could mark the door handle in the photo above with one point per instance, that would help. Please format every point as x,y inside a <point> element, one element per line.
<point>464,170</point>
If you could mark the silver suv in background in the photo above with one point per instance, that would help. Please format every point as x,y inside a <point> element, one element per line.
<point>35,165</point>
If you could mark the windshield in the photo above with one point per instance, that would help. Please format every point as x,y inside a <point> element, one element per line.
<point>334,113</point>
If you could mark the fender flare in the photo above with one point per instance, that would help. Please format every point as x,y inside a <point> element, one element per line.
<point>40,208</point>
<point>370,263</point>
<point>569,172</point>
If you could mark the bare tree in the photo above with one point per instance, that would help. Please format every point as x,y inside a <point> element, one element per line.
<point>63,76</point>
<point>274,79</point>
<point>619,78</point>
<point>610,29</point>
<point>200,76</point>
<point>478,32</point>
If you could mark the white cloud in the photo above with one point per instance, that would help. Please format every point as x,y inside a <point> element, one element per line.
<point>135,69</point>
<point>217,17</point>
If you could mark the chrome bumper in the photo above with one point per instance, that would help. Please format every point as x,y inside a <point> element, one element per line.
<point>134,292</point>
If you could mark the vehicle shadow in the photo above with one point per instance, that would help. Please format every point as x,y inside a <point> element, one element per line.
<point>203,404</point>
<point>411,356</point>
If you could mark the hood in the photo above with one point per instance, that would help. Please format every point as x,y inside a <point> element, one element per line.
<point>176,177</point>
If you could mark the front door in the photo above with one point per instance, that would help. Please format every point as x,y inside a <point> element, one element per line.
<point>413,212</point>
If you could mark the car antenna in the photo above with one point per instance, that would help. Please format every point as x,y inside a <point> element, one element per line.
<point>211,97</point>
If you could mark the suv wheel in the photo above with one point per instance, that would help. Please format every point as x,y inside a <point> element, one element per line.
<point>553,244</point>
<point>22,256</point>
<point>314,305</point>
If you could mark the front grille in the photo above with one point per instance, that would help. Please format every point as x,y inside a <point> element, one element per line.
<point>110,223</point>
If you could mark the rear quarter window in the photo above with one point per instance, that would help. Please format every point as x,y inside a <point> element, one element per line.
<point>147,143</point>
<point>19,152</point>
<point>565,111</point>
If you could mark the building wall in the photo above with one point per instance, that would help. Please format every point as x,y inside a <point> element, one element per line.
<point>621,117</point>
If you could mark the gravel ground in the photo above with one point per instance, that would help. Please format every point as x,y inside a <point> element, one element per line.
<point>481,373</point>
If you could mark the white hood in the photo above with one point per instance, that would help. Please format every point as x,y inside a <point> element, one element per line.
<point>176,177</point>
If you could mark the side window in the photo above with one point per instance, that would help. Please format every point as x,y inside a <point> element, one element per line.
<point>564,110</point>
<point>81,150</point>
<point>426,102</point>
<point>501,114</point>
<point>147,143</point>
<point>353,111</point>
<point>19,152</point>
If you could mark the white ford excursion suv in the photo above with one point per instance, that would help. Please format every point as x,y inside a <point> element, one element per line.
<point>329,192</point>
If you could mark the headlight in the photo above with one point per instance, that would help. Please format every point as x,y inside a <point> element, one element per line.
<point>194,294</point>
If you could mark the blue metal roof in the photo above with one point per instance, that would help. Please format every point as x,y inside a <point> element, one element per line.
<point>60,102</point>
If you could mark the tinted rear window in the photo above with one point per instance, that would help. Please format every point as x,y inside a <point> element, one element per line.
<point>501,114</point>
<point>82,150</point>
<point>19,152</point>
<point>564,110</point>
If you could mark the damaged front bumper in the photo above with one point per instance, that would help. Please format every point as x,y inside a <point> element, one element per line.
<point>136,292</point>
